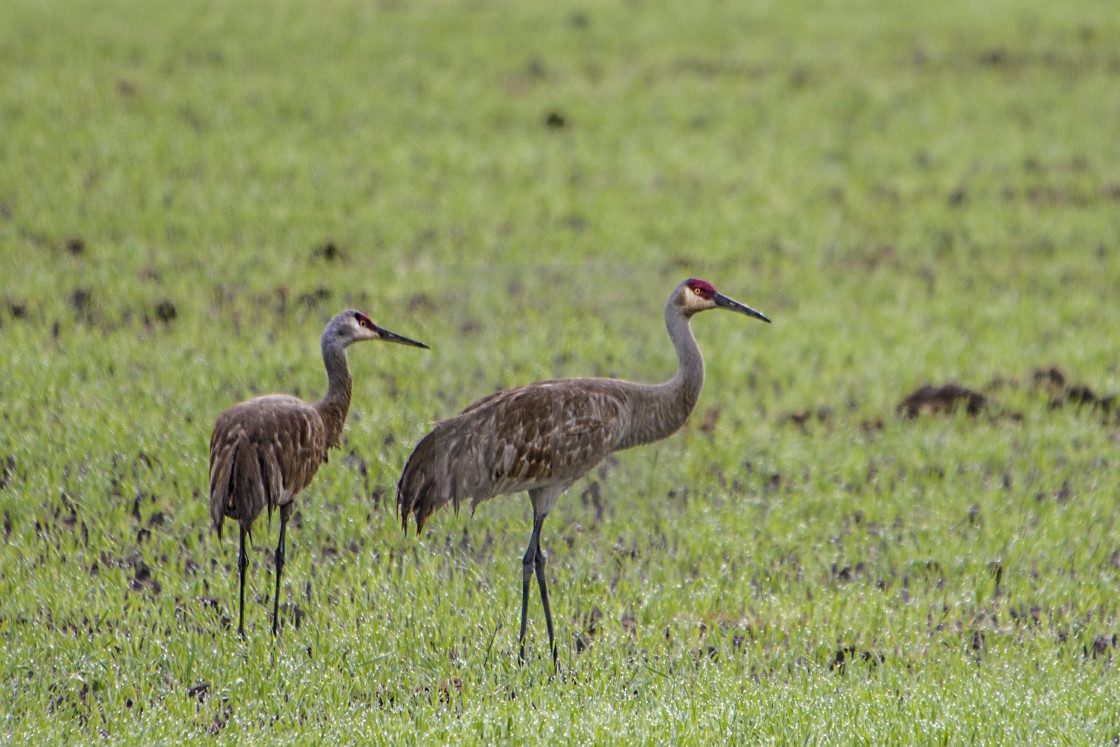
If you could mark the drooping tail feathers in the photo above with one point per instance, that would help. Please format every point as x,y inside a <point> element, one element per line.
<point>445,467</point>
<point>240,486</point>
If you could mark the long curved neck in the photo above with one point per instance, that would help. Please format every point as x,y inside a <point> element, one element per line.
<point>658,411</point>
<point>689,379</point>
<point>335,404</point>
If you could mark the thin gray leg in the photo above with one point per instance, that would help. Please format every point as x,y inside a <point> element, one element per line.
<point>527,564</point>
<point>279,570</point>
<point>242,564</point>
<point>539,564</point>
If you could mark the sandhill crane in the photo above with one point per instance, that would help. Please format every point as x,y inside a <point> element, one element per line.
<point>543,437</point>
<point>264,451</point>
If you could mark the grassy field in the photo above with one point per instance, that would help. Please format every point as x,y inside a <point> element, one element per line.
<point>914,193</point>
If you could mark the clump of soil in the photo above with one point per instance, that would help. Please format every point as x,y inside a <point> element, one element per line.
<point>293,613</point>
<point>846,654</point>
<point>932,400</point>
<point>591,620</point>
<point>803,418</point>
<point>143,579</point>
<point>1063,393</point>
<point>166,311</point>
<point>328,251</point>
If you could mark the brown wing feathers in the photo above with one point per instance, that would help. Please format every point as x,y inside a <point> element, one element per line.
<point>262,454</point>
<point>223,452</point>
<point>551,432</point>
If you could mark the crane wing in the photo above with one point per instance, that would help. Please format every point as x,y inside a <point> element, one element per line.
<point>262,453</point>
<point>543,434</point>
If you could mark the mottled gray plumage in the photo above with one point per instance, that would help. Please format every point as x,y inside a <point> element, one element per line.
<point>543,437</point>
<point>265,451</point>
<point>514,440</point>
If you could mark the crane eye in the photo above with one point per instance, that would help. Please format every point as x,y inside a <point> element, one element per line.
<point>702,289</point>
<point>364,322</point>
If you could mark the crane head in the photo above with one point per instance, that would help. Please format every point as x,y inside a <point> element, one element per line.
<point>354,326</point>
<point>694,295</point>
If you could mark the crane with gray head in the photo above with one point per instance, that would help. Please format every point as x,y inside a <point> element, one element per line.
<point>543,437</point>
<point>265,451</point>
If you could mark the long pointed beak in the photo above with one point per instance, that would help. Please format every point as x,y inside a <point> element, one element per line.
<point>386,336</point>
<point>723,302</point>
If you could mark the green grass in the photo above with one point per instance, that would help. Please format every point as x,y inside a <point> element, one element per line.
<point>914,193</point>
